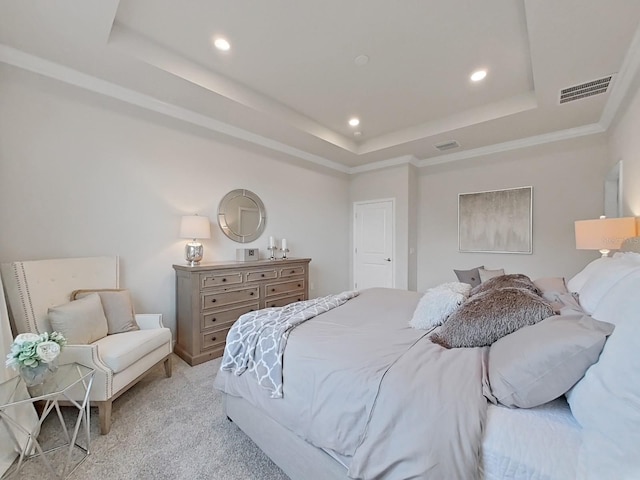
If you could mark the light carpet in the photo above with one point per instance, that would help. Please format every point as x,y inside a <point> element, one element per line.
<point>166,428</point>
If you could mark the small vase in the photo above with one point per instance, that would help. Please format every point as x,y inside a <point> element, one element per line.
<point>33,376</point>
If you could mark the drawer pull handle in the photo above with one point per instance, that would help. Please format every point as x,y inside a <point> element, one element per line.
<point>213,339</point>
<point>299,285</point>
<point>273,289</point>
<point>262,275</point>
<point>224,279</point>
<point>251,293</point>
<point>213,300</point>
<point>293,271</point>
<point>213,319</point>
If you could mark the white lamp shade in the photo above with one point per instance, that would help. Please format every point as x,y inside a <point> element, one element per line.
<point>604,233</point>
<point>195,226</point>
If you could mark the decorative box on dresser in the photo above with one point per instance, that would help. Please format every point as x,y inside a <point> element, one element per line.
<point>210,297</point>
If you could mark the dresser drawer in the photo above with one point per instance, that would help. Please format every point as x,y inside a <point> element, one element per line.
<point>215,339</point>
<point>292,271</point>
<point>281,302</point>
<point>212,300</point>
<point>225,318</point>
<point>273,289</point>
<point>219,280</point>
<point>261,275</point>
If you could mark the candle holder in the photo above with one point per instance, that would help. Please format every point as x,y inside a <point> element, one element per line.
<point>284,253</point>
<point>272,252</point>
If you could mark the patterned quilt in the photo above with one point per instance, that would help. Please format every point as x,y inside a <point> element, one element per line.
<point>257,340</point>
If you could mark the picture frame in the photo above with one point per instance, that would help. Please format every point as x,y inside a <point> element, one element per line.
<point>496,221</point>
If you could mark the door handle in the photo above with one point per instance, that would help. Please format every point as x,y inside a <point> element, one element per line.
<point>387,259</point>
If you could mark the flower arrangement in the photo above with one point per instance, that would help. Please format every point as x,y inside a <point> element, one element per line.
<point>31,350</point>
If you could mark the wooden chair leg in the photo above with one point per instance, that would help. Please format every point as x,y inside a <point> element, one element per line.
<point>104,413</point>
<point>167,367</point>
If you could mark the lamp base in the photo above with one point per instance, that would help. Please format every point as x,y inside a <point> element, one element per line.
<point>193,253</point>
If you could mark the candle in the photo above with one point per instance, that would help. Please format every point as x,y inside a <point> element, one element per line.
<point>284,244</point>
<point>272,242</point>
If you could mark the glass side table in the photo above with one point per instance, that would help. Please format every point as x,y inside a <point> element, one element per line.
<point>69,379</point>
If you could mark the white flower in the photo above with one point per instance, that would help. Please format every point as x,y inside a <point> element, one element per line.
<point>48,351</point>
<point>26,337</point>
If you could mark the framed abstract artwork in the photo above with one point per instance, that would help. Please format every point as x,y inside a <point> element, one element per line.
<point>497,221</point>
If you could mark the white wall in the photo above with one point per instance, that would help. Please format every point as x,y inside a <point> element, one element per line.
<point>567,179</point>
<point>624,144</point>
<point>83,175</point>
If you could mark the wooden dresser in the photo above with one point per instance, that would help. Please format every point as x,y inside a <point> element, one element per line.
<point>210,297</point>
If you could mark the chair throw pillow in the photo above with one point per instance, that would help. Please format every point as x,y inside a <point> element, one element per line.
<point>541,362</point>
<point>471,276</point>
<point>438,303</point>
<point>117,308</point>
<point>81,322</point>
<point>489,316</point>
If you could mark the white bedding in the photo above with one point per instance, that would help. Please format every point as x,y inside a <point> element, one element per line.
<point>539,443</point>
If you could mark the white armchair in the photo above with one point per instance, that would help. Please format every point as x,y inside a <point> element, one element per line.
<point>119,360</point>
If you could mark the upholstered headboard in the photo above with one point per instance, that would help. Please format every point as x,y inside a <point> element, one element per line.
<point>631,245</point>
<point>34,286</point>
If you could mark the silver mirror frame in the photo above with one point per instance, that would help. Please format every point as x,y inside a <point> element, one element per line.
<point>223,211</point>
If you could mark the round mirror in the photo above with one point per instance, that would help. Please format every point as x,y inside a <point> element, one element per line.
<point>241,216</point>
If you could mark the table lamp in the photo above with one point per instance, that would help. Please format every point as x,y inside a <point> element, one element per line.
<point>604,234</point>
<point>194,227</point>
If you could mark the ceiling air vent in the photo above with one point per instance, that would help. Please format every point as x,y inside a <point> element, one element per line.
<point>447,145</point>
<point>584,90</point>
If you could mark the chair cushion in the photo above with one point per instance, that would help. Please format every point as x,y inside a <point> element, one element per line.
<point>81,322</point>
<point>117,308</point>
<point>121,350</point>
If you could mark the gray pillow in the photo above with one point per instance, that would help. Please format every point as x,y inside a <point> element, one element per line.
<point>541,362</point>
<point>117,308</point>
<point>81,322</point>
<point>489,316</point>
<point>472,276</point>
<point>513,280</point>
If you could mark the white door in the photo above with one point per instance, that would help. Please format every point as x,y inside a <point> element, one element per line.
<point>373,242</point>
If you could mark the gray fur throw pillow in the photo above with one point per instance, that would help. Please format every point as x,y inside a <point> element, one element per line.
<point>513,280</point>
<point>489,316</point>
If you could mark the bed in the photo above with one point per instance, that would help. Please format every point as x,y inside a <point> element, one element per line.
<point>370,412</point>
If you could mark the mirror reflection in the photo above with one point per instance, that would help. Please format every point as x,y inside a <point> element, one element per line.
<point>242,216</point>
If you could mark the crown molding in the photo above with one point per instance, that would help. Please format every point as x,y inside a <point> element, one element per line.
<point>551,137</point>
<point>25,61</point>
<point>392,162</point>
<point>624,79</point>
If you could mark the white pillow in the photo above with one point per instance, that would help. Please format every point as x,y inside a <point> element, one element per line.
<point>438,303</point>
<point>487,274</point>
<point>599,284</point>
<point>606,401</point>
<point>458,287</point>
<point>576,283</point>
<point>628,256</point>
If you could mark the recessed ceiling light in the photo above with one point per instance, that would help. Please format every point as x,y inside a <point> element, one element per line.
<point>354,121</point>
<point>478,75</point>
<point>361,60</point>
<point>222,44</point>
